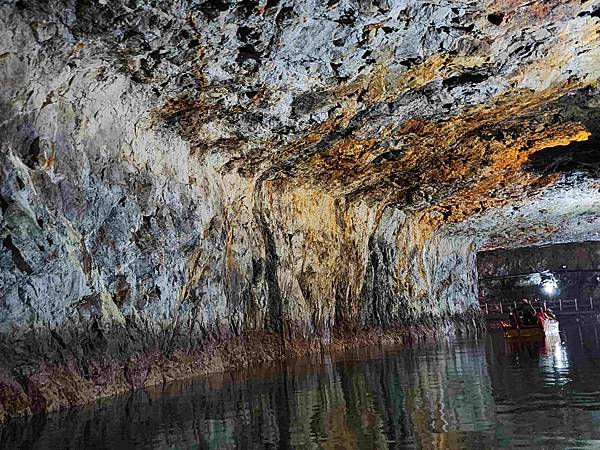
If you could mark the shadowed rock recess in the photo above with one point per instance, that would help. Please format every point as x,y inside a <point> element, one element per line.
<point>190,186</point>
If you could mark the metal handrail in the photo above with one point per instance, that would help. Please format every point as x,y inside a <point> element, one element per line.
<point>557,305</point>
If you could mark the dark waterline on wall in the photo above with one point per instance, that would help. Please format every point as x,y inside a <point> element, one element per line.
<point>467,394</point>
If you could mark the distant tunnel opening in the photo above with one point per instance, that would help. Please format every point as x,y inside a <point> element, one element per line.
<point>566,277</point>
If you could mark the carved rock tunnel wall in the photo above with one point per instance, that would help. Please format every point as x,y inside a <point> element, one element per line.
<point>184,189</point>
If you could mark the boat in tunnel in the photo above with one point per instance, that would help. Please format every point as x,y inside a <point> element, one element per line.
<point>298,224</point>
<point>547,328</point>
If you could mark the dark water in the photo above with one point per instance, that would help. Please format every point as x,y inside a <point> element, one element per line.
<point>471,394</point>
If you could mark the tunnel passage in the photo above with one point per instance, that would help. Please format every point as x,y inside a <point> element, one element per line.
<point>186,188</point>
<point>558,274</point>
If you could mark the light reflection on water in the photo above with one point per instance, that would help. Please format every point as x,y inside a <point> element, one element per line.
<point>468,394</point>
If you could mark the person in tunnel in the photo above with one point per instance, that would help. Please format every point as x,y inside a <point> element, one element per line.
<point>527,312</point>
<point>513,317</point>
<point>540,316</point>
<point>549,313</point>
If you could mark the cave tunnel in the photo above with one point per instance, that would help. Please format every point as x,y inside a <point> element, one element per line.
<point>296,224</point>
<point>565,276</point>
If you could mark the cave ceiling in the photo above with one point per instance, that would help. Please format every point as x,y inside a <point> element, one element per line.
<point>468,110</point>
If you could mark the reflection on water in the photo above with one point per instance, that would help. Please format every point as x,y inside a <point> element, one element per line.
<point>471,394</point>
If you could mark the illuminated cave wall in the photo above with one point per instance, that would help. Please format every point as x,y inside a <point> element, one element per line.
<point>191,186</point>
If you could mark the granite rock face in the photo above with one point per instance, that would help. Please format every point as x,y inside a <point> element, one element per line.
<point>191,186</point>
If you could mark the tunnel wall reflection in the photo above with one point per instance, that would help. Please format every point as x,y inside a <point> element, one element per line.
<point>372,398</point>
<point>476,393</point>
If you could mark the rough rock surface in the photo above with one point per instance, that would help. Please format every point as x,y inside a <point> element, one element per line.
<point>189,186</point>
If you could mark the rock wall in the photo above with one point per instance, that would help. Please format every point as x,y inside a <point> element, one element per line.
<point>153,279</point>
<point>576,256</point>
<point>417,272</point>
<point>126,260</point>
<point>191,186</point>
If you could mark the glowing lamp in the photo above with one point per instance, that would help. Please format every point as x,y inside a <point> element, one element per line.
<point>549,287</point>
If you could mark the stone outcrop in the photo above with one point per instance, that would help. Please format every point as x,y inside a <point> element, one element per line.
<point>191,186</point>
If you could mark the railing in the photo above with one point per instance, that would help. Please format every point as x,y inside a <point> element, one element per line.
<point>570,306</point>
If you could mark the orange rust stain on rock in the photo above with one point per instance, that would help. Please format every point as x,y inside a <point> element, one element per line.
<point>413,126</point>
<point>504,181</point>
<point>443,151</point>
